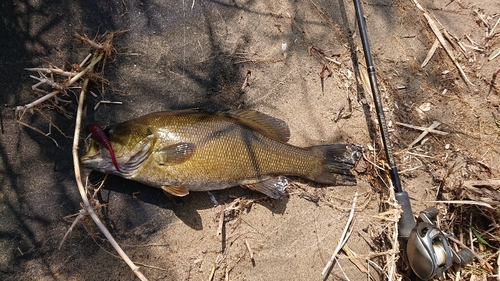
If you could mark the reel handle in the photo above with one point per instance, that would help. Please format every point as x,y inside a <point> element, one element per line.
<point>428,251</point>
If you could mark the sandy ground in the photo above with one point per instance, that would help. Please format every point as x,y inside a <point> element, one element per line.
<point>197,54</point>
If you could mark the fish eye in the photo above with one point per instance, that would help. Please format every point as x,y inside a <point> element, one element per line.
<point>108,132</point>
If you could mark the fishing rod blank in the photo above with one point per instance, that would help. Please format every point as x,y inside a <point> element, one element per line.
<point>407,222</point>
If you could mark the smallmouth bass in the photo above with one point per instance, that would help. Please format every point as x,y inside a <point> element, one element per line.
<point>195,150</point>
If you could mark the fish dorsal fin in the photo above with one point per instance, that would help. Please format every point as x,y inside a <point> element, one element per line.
<point>174,154</point>
<point>180,190</point>
<point>266,125</point>
<point>273,187</point>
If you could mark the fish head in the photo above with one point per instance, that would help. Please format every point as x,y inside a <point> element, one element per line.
<point>131,143</point>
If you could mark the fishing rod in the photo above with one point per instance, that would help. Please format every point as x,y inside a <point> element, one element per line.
<point>425,246</point>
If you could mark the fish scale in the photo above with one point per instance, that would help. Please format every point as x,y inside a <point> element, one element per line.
<point>227,155</point>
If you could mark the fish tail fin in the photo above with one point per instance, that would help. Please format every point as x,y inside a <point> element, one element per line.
<point>336,162</point>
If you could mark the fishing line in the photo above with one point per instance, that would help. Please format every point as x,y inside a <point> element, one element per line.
<point>184,42</point>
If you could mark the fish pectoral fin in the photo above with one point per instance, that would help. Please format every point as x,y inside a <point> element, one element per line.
<point>174,154</point>
<point>266,125</point>
<point>274,187</point>
<point>180,190</point>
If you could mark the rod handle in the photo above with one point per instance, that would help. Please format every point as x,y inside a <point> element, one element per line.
<point>406,222</point>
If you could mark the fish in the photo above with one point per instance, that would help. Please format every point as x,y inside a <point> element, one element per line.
<point>187,150</point>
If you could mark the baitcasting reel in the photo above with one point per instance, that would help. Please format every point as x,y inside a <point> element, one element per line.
<point>428,251</point>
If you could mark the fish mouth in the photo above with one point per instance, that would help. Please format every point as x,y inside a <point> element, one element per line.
<point>97,164</point>
<point>95,159</point>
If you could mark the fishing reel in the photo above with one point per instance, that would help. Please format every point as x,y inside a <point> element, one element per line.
<point>428,251</point>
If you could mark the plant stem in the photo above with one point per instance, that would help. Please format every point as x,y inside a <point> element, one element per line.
<point>78,177</point>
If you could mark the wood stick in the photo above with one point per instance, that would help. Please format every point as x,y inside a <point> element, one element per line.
<point>489,182</point>
<point>431,52</point>
<point>492,32</point>
<point>443,42</point>
<point>221,220</point>
<point>53,70</point>
<point>446,47</point>
<point>249,249</point>
<point>424,133</point>
<point>343,238</point>
<point>465,202</point>
<point>422,128</point>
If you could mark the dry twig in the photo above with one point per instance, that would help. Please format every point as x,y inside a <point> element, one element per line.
<point>103,52</point>
<point>466,202</point>
<point>343,238</point>
<point>59,88</point>
<point>81,189</point>
<point>221,220</point>
<point>431,52</point>
<point>249,250</point>
<point>356,261</point>
<point>430,129</point>
<point>443,42</point>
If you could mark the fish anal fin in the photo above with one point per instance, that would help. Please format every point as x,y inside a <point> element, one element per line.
<point>273,187</point>
<point>266,125</point>
<point>180,190</point>
<point>174,154</point>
